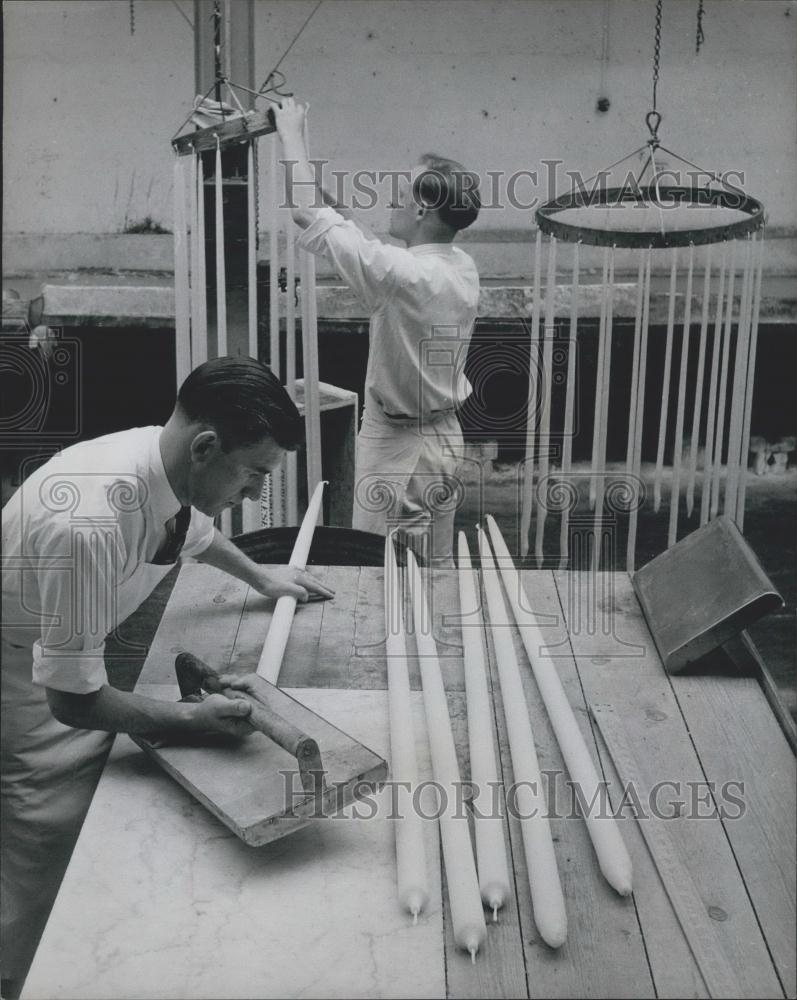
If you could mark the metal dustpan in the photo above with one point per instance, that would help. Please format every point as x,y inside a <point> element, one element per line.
<point>702,592</point>
<point>294,767</point>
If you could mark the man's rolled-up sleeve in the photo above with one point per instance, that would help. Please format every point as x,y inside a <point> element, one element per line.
<point>200,533</point>
<point>76,671</point>
<point>370,268</point>
<point>77,585</point>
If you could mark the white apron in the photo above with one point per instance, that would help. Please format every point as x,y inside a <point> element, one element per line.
<point>49,773</point>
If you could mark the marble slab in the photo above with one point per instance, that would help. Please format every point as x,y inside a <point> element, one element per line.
<point>162,901</point>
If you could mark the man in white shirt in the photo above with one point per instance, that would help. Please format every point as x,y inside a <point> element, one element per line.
<point>422,300</point>
<point>86,538</point>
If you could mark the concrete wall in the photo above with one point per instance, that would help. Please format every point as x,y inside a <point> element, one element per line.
<point>499,84</point>
<point>503,85</point>
<point>88,113</point>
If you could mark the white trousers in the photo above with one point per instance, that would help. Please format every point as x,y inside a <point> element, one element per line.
<point>405,478</point>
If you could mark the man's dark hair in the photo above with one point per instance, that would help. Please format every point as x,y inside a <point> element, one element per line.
<point>243,401</point>
<point>448,188</point>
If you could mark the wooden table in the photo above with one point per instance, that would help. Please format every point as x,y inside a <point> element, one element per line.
<point>685,730</point>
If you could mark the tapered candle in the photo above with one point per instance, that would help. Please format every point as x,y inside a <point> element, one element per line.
<point>277,637</point>
<point>291,475</point>
<point>547,899</point>
<point>312,400</point>
<point>467,915</point>
<point>182,307</point>
<point>613,857</point>
<point>221,274</point>
<point>274,360</point>
<point>489,830</point>
<point>221,293</point>
<point>413,890</point>
<point>250,510</point>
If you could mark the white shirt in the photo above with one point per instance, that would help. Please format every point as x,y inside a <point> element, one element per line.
<point>77,539</point>
<point>422,303</point>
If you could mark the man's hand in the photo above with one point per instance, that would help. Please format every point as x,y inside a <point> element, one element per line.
<point>217,714</point>
<point>289,581</point>
<point>290,117</point>
<point>286,581</point>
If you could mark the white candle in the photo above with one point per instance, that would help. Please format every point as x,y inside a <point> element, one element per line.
<point>291,481</point>
<point>312,399</point>
<point>488,828</point>
<point>200,353</point>
<point>413,891</point>
<point>613,857</point>
<point>182,307</point>
<point>279,630</point>
<point>221,275</point>
<point>467,915</point>
<point>274,354</point>
<point>547,900</point>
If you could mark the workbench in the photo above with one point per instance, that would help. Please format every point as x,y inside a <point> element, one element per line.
<point>162,900</point>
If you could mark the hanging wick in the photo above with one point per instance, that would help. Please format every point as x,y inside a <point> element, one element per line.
<point>472,951</point>
<point>495,914</point>
<point>415,918</point>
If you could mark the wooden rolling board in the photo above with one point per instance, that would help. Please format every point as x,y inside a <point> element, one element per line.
<point>641,693</point>
<point>162,902</point>
<point>248,785</point>
<point>253,785</point>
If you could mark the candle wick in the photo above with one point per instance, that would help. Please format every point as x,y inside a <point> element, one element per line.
<point>495,914</point>
<point>414,918</point>
<point>472,951</point>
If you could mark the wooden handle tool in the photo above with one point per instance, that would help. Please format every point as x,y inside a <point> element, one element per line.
<point>193,676</point>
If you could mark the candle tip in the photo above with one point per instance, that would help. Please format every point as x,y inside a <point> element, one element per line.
<point>472,951</point>
<point>495,914</point>
<point>414,917</point>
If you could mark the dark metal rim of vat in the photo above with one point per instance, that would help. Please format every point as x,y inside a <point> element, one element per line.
<point>330,546</point>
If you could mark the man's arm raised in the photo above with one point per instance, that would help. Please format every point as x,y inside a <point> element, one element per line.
<point>305,192</point>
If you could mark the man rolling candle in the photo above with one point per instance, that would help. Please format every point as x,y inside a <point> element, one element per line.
<point>146,496</point>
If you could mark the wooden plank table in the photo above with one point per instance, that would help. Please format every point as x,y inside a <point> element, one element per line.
<point>703,742</point>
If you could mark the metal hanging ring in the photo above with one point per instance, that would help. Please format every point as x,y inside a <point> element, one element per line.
<point>549,223</point>
<point>653,120</point>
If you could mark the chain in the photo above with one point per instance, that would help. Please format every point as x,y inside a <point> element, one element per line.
<point>657,51</point>
<point>132,17</point>
<point>653,118</point>
<point>701,37</point>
